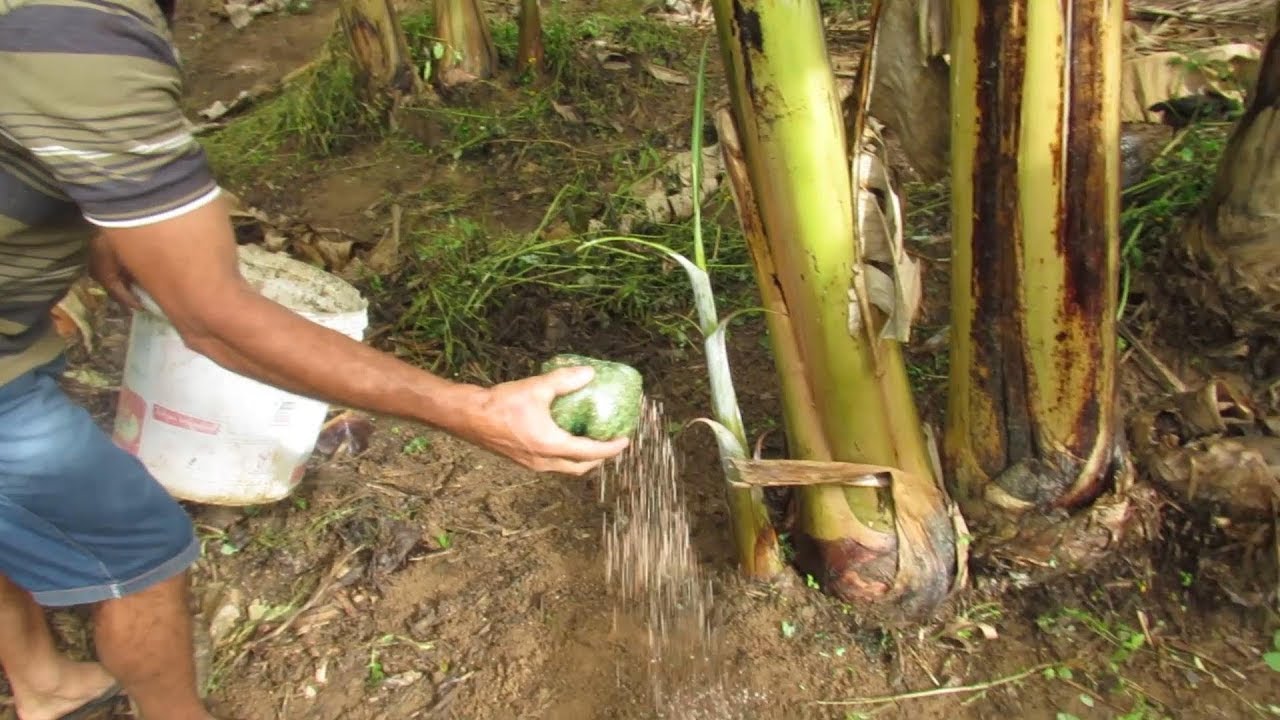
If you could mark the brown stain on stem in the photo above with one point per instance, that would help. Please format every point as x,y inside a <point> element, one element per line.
<point>750,37</point>
<point>997,372</point>
<point>1083,243</point>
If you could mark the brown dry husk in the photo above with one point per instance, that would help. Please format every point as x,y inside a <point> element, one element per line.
<point>912,87</point>
<point>1207,449</point>
<point>1236,10</point>
<point>1034,544</point>
<point>1220,463</point>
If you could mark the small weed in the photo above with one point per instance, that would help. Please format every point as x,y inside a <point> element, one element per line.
<point>928,207</point>
<point>1174,187</point>
<point>376,672</point>
<point>1272,658</point>
<point>972,623</point>
<point>1058,673</point>
<point>417,445</point>
<point>837,652</point>
<point>1127,642</point>
<point>786,547</point>
<point>928,372</point>
<point>788,629</point>
<point>559,36</point>
<point>1125,639</point>
<point>258,613</point>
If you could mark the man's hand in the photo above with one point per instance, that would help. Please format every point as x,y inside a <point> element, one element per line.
<point>514,419</point>
<point>105,268</point>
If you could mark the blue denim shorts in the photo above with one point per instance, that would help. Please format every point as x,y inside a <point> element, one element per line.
<point>81,520</point>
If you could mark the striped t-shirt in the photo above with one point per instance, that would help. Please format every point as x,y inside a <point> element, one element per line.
<point>91,133</point>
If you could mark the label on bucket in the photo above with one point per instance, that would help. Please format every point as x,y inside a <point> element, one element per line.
<point>184,421</point>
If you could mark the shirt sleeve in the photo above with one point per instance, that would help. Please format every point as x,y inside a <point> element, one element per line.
<point>92,89</point>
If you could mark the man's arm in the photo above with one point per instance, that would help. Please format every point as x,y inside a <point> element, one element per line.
<point>188,264</point>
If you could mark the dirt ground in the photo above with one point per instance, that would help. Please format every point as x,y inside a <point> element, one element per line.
<point>425,579</point>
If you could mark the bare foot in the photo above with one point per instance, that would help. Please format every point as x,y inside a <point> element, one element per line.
<point>76,684</point>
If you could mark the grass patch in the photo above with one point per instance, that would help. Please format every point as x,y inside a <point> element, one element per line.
<point>461,276</point>
<point>928,373</point>
<point>1174,187</point>
<point>318,115</point>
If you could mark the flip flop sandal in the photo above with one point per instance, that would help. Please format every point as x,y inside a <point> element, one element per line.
<point>103,701</point>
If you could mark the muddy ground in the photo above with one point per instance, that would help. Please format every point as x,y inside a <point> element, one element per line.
<point>424,579</point>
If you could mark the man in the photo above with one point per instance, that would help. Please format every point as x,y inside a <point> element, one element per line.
<point>92,138</point>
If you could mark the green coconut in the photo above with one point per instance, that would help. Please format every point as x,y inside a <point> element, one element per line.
<point>608,407</point>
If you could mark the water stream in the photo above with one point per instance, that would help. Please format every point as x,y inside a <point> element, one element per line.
<point>653,571</point>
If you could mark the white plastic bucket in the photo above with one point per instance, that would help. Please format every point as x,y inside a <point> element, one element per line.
<point>210,435</point>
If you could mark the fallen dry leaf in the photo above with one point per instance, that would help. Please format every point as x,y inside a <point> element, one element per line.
<point>226,617</point>
<point>567,113</point>
<point>455,76</point>
<point>1208,10</point>
<point>683,12</point>
<point>238,13</point>
<point>1148,80</point>
<point>1237,476</point>
<point>336,254</point>
<point>89,377</point>
<point>241,13</point>
<point>610,60</point>
<point>385,256</point>
<point>401,680</point>
<point>1203,447</point>
<point>892,276</point>
<point>667,196</point>
<point>274,240</point>
<point>667,75</point>
<point>214,111</point>
<point>73,315</point>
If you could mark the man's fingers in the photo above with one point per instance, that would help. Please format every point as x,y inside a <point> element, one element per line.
<point>566,380</point>
<point>123,295</point>
<point>569,467</point>
<point>586,449</point>
<point>114,283</point>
